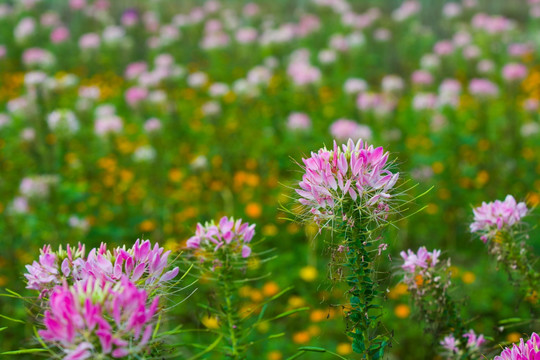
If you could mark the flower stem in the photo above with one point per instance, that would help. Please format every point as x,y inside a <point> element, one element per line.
<point>230,309</point>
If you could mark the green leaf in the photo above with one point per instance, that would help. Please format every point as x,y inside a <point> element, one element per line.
<point>208,349</point>
<point>22,351</point>
<point>11,319</point>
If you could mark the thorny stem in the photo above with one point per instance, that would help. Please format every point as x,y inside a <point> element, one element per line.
<point>230,309</point>
<point>362,292</point>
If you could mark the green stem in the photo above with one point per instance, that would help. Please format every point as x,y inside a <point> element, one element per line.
<point>362,292</point>
<point>232,326</point>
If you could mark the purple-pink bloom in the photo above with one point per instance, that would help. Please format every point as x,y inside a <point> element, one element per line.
<point>355,173</point>
<point>93,318</point>
<point>229,234</point>
<point>422,259</point>
<point>489,218</point>
<point>529,350</point>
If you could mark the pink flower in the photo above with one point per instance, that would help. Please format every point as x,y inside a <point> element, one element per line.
<point>136,69</point>
<point>514,72</point>
<point>489,218</point>
<point>351,174</point>
<point>343,129</point>
<point>355,86</point>
<point>93,319</point>
<point>229,235</point>
<point>298,122</point>
<point>422,259</point>
<point>443,47</point>
<point>529,350</point>
<point>302,73</point>
<point>422,77</point>
<point>59,35</point>
<point>483,88</point>
<point>474,341</point>
<point>142,264</point>
<point>89,41</point>
<point>53,267</point>
<point>152,125</point>
<point>108,125</point>
<point>135,95</point>
<point>246,35</point>
<point>450,344</point>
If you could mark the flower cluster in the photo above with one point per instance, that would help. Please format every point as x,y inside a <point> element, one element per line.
<point>529,350</point>
<point>472,348</point>
<point>420,267</point>
<point>354,175</point>
<point>96,319</point>
<point>142,264</point>
<point>230,234</point>
<point>54,267</point>
<point>490,218</point>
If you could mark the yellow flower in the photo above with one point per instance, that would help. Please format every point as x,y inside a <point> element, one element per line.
<point>296,301</point>
<point>468,277</point>
<point>269,230</point>
<point>147,225</point>
<point>270,289</point>
<point>318,315</point>
<point>275,355</point>
<point>513,337</point>
<point>301,337</point>
<point>253,210</point>
<point>344,348</point>
<point>210,322</point>
<point>402,311</point>
<point>308,273</point>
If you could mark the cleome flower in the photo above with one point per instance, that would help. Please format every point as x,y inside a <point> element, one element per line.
<point>229,234</point>
<point>451,345</point>
<point>529,350</point>
<point>420,267</point>
<point>492,217</point>
<point>54,267</point>
<point>96,319</point>
<point>354,176</point>
<point>142,264</point>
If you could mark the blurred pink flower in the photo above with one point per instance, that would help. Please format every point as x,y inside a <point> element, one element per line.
<point>514,72</point>
<point>298,121</point>
<point>498,215</point>
<point>229,234</point>
<point>343,129</point>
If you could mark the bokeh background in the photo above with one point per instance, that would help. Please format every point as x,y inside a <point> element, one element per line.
<point>137,119</point>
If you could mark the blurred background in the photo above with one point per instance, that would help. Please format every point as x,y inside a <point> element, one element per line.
<point>137,119</point>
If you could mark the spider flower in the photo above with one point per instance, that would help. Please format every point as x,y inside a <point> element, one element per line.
<point>95,319</point>
<point>420,267</point>
<point>227,234</point>
<point>355,174</point>
<point>529,350</point>
<point>492,217</point>
<point>52,268</point>
<point>143,264</point>
<point>451,345</point>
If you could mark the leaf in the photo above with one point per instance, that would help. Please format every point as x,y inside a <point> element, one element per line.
<point>11,319</point>
<point>510,321</point>
<point>22,351</point>
<point>3,328</point>
<point>208,349</point>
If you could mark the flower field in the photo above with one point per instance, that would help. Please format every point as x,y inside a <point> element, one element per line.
<point>313,179</point>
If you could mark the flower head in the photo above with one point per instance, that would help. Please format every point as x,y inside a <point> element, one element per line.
<point>489,218</point>
<point>228,235</point>
<point>93,318</point>
<point>355,175</point>
<point>53,268</point>
<point>529,350</point>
